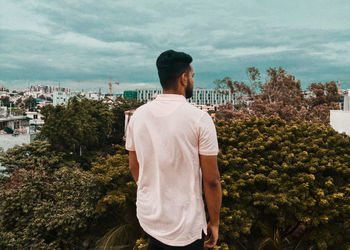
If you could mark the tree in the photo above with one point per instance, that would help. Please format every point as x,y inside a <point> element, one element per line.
<point>85,129</point>
<point>30,156</point>
<point>324,97</point>
<point>281,96</point>
<point>284,185</point>
<point>255,79</point>
<point>46,202</point>
<point>118,203</point>
<point>39,210</point>
<point>238,90</point>
<point>30,103</point>
<point>119,106</point>
<point>18,102</point>
<point>5,101</point>
<point>82,129</point>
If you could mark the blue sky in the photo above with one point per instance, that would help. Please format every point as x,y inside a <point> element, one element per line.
<point>64,41</point>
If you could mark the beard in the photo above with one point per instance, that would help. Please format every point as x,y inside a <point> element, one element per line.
<point>188,90</point>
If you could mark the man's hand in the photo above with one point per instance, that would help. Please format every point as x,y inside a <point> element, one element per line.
<point>212,237</point>
<point>134,165</point>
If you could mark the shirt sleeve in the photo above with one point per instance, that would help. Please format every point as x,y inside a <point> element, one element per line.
<point>129,137</point>
<point>208,142</point>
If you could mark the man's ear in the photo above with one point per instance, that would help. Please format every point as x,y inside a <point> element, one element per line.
<point>183,79</point>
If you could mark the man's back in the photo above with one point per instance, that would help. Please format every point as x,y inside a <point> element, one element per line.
<point>168,134</point>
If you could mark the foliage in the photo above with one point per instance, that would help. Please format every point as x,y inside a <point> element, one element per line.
<point>31,156</point>
<point>81,129</point>
<point>118,202</point>
<point>30,103</point>
<point>281,96</point>
<point>239,90</point>
<point>324,97</point>
<point>41,210</point>
<point>284,184</point>
<point>119,106</point>
<point>85,129</point>
<point>5,101</point>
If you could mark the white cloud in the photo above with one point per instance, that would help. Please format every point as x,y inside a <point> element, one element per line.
<point>81,40</point>
<point>14,17</point>
<point>249,51</point>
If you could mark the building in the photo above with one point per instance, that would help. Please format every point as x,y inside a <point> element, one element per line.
<point>14,123</point>
<point>61,98</point>
<point>147,94</point>
<point>340,119</point>
<point>210,97</point>
<point>48,89</point>
<point>130,94</point>
<point>200,97</point>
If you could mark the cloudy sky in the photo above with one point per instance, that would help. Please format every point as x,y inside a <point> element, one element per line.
<point>70,41</point>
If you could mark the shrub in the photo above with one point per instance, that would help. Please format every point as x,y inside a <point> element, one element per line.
<point>118,202</point>
<point>46,203</point>
<point>284,184</point>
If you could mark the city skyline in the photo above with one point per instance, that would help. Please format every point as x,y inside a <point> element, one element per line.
<point>59,42</point>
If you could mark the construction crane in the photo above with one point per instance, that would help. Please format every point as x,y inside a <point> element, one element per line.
<point>110,83</point>
<point>110,86</point>
<point>339,84</point>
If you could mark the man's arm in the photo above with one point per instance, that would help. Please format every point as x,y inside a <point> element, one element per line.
<point>212,186</point>
<point>134,165</point>
<point>213,195</point>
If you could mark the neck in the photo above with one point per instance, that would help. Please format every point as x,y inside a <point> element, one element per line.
<point>174,92</point>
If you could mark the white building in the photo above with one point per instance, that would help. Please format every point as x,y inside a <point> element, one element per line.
<point>340,119</point>
<point>199,97</point>
<point>147,94</point>
<point>210,97</point>
<point>61,98</point>
<point>35,118</point>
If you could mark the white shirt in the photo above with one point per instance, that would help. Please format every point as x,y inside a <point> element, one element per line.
<point>168,134</point>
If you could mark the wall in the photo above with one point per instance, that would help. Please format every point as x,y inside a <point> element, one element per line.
<point>340,121</point>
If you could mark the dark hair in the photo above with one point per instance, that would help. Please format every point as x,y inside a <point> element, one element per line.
<point>171,65</point>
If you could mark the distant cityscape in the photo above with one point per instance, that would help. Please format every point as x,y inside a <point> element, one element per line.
<point>20,109</point>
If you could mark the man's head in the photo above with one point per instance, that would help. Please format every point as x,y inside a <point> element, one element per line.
<point>175,72</point>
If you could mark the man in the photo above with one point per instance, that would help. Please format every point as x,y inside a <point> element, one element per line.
<point>172,148</point>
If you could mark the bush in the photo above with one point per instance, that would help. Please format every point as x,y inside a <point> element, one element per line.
<point>284,184</point>
<point>33,155</point>
<point>47,211</point>
<point>45,201</point>
<point>118,202</point>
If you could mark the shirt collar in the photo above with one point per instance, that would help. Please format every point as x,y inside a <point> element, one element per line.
<point>170,97</point>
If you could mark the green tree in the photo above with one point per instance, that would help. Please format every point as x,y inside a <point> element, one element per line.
<point>81,129</point>
<point>120,105</point>
<point>117,205</point>
<point>5,100</point>
<point>85,129</point>
<point>29,156</point>
<point>39,210</point>
<point>46,202</point>
<point>285,185</point>
<point>30,103</point>
<point>19,102</point>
